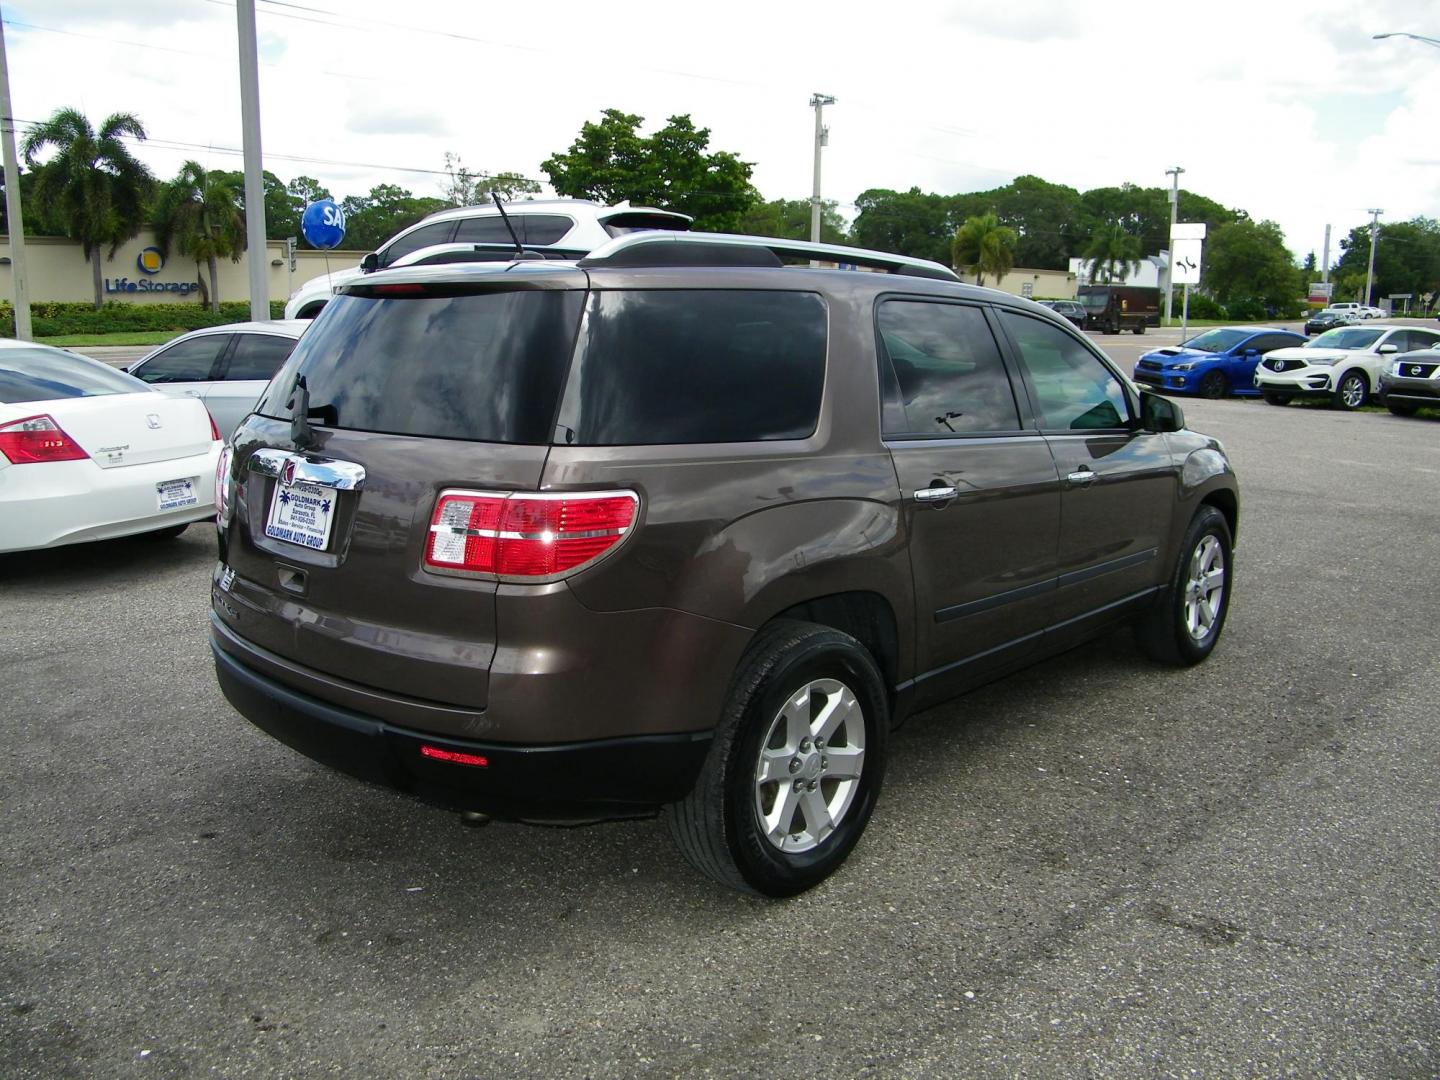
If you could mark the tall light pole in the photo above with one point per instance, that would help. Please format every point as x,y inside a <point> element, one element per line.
<point>258,264</point>
<point>1174,174</point>
<point>1374,234</point>
<point>1416,37</point>
<point>822,137</point>
<point>12,202</point>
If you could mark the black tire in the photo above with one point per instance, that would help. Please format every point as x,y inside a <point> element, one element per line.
<point>718,826</point>
<point>1139,328</point>
<point>1275,397</point>
<point>1164,633</point>
<point>1401,408</point>
<point>1356,387</point>
<point>169,533</point>
<point>1214,385</point>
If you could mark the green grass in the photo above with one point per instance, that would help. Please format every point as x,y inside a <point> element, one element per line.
<point>120,337</point>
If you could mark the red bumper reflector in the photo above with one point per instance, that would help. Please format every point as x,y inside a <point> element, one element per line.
<point>454,757</point>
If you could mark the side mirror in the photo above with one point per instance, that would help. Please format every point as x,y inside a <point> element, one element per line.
<point>1248,353</point>
<point>370,262</point>
<point>1389,348</point>
<point>1159,414</point>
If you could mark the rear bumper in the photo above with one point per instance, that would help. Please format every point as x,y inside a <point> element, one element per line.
<point>609,778</point>
<point>70,502</point>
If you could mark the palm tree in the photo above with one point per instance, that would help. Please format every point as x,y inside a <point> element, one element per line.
<point>1112,253</point>
<point>92,187</point>
<point>985,246</point>
<point>199,213</point>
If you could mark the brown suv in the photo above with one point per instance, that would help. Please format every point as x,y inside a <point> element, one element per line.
<point>684,527</point>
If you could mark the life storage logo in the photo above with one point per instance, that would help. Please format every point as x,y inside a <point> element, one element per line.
<point>150,261</point>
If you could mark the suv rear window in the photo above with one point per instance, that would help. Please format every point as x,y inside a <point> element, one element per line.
<point>485,366</point>
<point>696,366</point>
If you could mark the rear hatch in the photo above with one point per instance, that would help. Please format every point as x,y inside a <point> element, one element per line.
<point>413,388</point>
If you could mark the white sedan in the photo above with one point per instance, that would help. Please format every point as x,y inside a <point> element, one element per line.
<point>90,453</point>
<point>1342,364</point>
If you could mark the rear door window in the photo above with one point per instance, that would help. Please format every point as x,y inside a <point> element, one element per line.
<point>696,366</point>
<point>482,366</point>
<point>258,356</point>
<point>941,372</point>
<point>426,236</point>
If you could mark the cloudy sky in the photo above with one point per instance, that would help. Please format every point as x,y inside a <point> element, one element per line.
<point>1289,110</point>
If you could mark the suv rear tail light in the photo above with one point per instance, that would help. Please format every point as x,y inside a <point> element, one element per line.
<point>526,536</point>
<point>38,439</point>
<point>214,431</point>
<point>222,486</point>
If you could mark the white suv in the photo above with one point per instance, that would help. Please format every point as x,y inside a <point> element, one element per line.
<point>1343,364</point>
<point>567,228</point>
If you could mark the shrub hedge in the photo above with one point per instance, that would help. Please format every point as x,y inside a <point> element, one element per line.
<point>51,319</point>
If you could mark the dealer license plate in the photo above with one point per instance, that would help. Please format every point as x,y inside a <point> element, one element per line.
<point>301,514</point>
<point>174,494</point>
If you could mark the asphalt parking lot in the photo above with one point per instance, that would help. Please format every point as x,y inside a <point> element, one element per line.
<point>1097,868</point>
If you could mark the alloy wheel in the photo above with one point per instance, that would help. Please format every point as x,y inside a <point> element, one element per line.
<point>1204,588</point>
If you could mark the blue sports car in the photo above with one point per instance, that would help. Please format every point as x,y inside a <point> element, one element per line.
<point>1214,364</point>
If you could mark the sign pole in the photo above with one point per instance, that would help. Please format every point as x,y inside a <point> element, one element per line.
<point>1185,314</point>
<point>12,203</point>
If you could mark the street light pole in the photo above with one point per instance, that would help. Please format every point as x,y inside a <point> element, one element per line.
<point>1416,37</point>
<point>1370,270</point>
<point>1174,175</point>
<point>12,202</point>
<point>822,137</point>
<point>258,263</point>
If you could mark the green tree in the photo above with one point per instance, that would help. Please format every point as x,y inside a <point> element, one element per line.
<point>1112,253</point>
<point>983,246</point>
<point>914,223</point>
<point>1045,218</point>
<point>199,214</point>
<point>466,188</point>
<point>282,210</point>
<point>372,219</point>
<point>92,186</point>
<point>790,220</point>
<point>1248,261</point>
<point>1407,257</point>
<point>673,169</point>
<point>305,190</point>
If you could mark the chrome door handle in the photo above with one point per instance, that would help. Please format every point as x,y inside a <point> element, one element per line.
<point>935,494</point>
<point>1081,477</point>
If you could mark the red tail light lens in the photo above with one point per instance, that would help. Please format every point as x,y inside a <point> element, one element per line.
<point>526,536</point>
<point>454,757</point>
<point>37,439</point>
<point>214,431</point>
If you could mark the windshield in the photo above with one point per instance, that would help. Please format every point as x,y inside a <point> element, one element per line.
<point>1213,341</point>
<point>48,374</point>
<point>1098,300</point>
<point>1345,337</point>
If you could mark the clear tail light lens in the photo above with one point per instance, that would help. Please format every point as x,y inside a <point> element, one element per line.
<point>519,535</point>
<point>223,489</point>
<point>37,439</point>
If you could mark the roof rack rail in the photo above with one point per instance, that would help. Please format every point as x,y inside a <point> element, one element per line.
<point>662,248</point>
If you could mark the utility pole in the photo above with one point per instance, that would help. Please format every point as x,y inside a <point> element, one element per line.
<point>12,201</point>
<point>822,138</point>
<point>256,253</point>
<point>1374,235</point>
<point>1325,260</point>
<point>1174,174</point>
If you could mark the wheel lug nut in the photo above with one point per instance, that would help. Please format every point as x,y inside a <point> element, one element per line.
<point>824,763</point>
<point>813,785</point>
<point>799,785</point>
<point>794,764</point>
<point>804,744</point>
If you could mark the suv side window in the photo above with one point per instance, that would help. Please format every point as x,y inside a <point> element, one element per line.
<point>258,356</point>
<point>941,371</point>
<point>1074,391</point>
<point>1410,340</point>
<point>428,236</point>
<point>674,366</point>
<point>488,230</point>
<point>185,361</point>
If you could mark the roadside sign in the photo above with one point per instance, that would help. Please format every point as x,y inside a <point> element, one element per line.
<point>1187,230</point>
<point>1185,256</point>
<point>1027,289</point>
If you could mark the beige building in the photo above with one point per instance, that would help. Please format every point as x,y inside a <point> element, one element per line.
<point>1040,284</point>
<point>138,273</point>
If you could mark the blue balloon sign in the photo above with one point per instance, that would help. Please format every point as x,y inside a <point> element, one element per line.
<point>323,224</point>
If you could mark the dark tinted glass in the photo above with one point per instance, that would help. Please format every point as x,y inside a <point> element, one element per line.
<point>428,236</point>
<point>946,375</point>
<point>487,230</point>
<point>1075,391</point>
<point>482,366</point>
<point>683,366</point>
<point>185,361</point>
<point>258,356</point>
<point>544,228</point>
<point>46,375</point>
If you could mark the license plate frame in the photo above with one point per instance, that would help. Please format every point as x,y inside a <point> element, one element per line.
<point>176,494</point>
<point>301,514</point>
